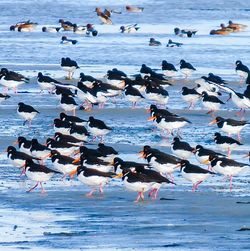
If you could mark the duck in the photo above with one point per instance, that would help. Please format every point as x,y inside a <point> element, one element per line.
<point>103,17</point>
<point>235,26</point>
<point>132,28</point>
<point>65,40</point>
<point>184,32</point>
<point>66,25</point>
<point>173,44</point>
<point>51,29</point>
<point>134,9</point>
<point>222,31</point>
<point>25,26</point>
<point>153,42</point>
<point>91,30</point>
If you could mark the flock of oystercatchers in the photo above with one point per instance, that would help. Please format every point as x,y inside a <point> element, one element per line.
<point>67,149</point>
<point>69,154</point>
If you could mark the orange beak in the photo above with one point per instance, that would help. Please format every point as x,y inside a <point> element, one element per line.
<point>76,160</point>
<point>213,122</point>
<point>151,118</point>
<point>141,154</point>
<point>73,173</point>
<point>247,155</point>
<point>118,176</point>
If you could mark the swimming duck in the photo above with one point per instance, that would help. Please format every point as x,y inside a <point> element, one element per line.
<point>236,27</point>
<point>65,40</point>
<point>153,42</point>
<point>173,44</point>
<point>25,26</point>
<point>91,30</point>
<point>134,9</point>
<point>51,29</point>
<point>66,25</point>
<point>129,28</point>
<point>184,32</point>
<point>222,31</point>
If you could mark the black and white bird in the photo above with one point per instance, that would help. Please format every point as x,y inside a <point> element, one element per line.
<point>79,132</point>
<point>227,167</point>
<point>190,95</point>
<point>173,44</point>
<point>11,79</point>
<point>87,80</point>
<point>62,126</point>
<point>186,68</point>
<point>62,147</point>
<point>230,126</point>
<point>132,28</point>
<point>73,119</point>
<point>156,179</point>
<point>18,158</point>
<point>51,29</point>
<point>39,150</point>
<point>108,153</point>
<point>212,103</point>
<point>242,70</point>
<point>98,128</point>
<point>226,143</point>
<point>46,82</point>
<point>60,91</point>
<point>67,139</point>
<point>70,66</point>
<point>133,95</point>
<point>68,104</point>
<point>203,154</point>
<point>145,70</point>
<point>204,85</point>
<point>93,178</point>
<point>194,173</point>
<point>3,97</point>
<point>168,69</point>
<point>38,173</point>
<point>27,112</point>
<point>157,94</point>
<point>66,40</point>
<point>181,148</point>
<point>63,164</point>
<point>116,78</point>
<point>169,123</point>
<point>24,145</point>
<point>215,79</point>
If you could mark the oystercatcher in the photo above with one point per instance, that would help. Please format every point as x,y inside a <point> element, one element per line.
<point>27,112</point>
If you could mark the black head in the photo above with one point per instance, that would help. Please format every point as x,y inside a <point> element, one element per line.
<point>64,38</point>
<point>222,26</point>
<point>199,147</point>
<point>219,119</point>
<point>44,29</point>
<point>34,141</point>
<point>170,41</point>
<point>11,149</point>
<point>12,27</point>
<point>117,161</point>
<point>21,139</point>
<point>212,157</point>
<point>183,163</point>
<point>203,94</point>
<point>91,118</point>
<point>61,21</point>
<point>20,103</point>
<point>4,71</point>
<point>54,153</point>
<point>182,61</point>
<point>101,145</point>
<point>63,116</point>
<point>122,28</point>
<point>151,40</point>
<point>176,139</point>
<point>177,31</point>
<point>216,135</point>
<point>40,74</point>
<point>230,22</point>
<point>238,62</point>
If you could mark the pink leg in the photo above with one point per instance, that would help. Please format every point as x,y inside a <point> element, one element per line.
<point>229,152</point>
<point>138,197</point>
<point>43,190</point>
<point>74,112</point>
<point>90,194</point>
<point>23,172</point>
<point>33,188</point>
<point>231,183</point>
<point>100,189</point>
<point>5,90</point>
<point>156,193</point>
<point>142,196</point>
<point>239,138</point>
<point>150,193</point>
<point>193,188</point>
